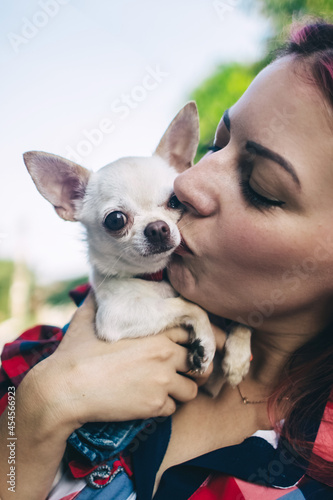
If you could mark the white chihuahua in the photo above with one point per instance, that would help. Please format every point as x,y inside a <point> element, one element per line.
<point>130,214</point>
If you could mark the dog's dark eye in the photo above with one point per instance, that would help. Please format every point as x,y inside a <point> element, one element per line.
<point>174,202</point>
<point>115,221</point>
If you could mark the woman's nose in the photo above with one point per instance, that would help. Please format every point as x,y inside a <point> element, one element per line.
<point>195,189</point>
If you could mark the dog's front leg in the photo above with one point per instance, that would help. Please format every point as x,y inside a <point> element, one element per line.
<point>203,345</point>
<point>237,357</point>
<point>147,313</point>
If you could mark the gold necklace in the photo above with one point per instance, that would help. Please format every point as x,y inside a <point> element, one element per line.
<point>247,402</point>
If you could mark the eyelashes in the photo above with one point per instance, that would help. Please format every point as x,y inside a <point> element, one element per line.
<point>213,148</point>
<point>252,197</point>
<point>255,199</point>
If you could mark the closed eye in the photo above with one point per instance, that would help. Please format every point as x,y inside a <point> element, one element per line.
<point>255,199</point>
<point>251,196</point>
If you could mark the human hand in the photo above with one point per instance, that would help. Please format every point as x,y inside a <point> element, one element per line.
<point>92,380</point>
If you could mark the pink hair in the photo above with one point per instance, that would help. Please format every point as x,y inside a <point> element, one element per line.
<point>313,44</point>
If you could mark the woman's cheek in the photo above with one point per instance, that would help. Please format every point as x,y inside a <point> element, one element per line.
<point>256,246</point>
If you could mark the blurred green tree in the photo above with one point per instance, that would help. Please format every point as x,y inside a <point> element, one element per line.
<point>218,93</point>
<point>229,82</point>
<point>6,274</point>
<point>281,12</point>
<point>58,293</point>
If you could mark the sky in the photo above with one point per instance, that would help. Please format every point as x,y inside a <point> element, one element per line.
<point>94,81</point>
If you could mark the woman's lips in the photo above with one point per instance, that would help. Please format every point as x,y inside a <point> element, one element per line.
<point>183,249</point>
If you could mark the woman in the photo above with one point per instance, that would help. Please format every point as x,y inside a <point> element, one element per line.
<point>259,251</point>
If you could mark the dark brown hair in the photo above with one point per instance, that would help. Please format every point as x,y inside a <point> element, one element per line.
<point>308,382</point>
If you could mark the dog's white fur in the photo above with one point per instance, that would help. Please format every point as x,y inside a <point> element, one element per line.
<point>140,188</point>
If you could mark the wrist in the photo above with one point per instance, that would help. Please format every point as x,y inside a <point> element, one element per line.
<point>41,431</point>
<point>41,400</point>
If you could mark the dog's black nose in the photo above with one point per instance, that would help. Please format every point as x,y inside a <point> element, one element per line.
<point>157,232</point>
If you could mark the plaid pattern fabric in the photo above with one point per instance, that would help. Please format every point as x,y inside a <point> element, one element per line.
<point>222,487</point>
<point>19,356</point>
<point>235,477</point>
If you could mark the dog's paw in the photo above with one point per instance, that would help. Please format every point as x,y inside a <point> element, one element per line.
<point>201,353</point>
<point>196,356</point>
<point>237,357</point>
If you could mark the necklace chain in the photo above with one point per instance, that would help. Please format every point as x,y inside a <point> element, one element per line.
<point>247,402</point>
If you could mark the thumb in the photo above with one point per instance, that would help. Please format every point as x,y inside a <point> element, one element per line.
<point>83,321</point>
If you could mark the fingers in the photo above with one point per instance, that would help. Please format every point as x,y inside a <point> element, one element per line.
<point>201,379</point>
<point>184,389</point>
<point>178,335</point>
<point>181,336</point>
<point>183,366</point>
<point>169,408</point>
<point>179,356</point>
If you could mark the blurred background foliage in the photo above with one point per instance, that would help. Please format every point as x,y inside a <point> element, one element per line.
<point>6,275</point>
<point>218,93</point>
<point>281,12</point>
<point>58,294</point>
<point>228,83</point>
<point>24,300</point>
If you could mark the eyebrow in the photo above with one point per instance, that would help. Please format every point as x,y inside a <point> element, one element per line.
<point>260,150</point>
<point>265,152</point>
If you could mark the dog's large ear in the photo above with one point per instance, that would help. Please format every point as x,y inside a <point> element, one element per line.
<point>61,181</point>
<point>179,143</point>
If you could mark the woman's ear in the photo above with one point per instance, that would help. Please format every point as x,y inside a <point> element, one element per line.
<point>179,143</point>
<point>62,182</point>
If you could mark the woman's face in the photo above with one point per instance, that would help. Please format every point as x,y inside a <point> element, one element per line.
<point>259,224</point>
